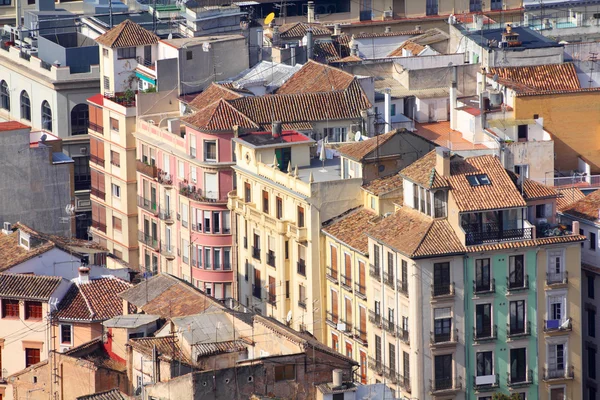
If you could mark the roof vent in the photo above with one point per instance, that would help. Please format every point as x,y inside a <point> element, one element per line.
<point>7,228</point>
<point>276,129</point>
<point>84,274</point>
<point>388,29</point>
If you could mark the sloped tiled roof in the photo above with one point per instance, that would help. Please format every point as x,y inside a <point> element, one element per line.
<point>28,287</point>
<point>538,78</point>
<point>349,58</point>
<point>113,394</point>
<point>209,349</point>
<point>167,347</point>
<point>533,190</point>
<point>384,185</point>
<point>568,196</point>
<point>423,173</point>
<point>359,150</point>
<point>214,92</point>
<point>369,35</point>
<point>219,116</point>
<point>317,77</point>
<point>586,208</point>
<point>12,125</point>
<point>526,243</point>
<point>417,235</point>
<point>413,48</point>
<point>96,300</point>
<point>326,52</point>
<point>297,30</point>
<point>351,228</point>
<point>500,193</point>
<point>127,34</point>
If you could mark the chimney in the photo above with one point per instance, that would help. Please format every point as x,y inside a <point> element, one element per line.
<point>575,227</point>
<point>276,36</point>
<point>84,274</point>
<point>337,30</point>
<point>311,12</point>
<point>276,129</point>
<point>236,131</point>
<point>442,161</point>
<point>388,110</point>
<point>354,50</point>
<point>453,97</point>
<point>388,29</point>
<point>337,378</point>
<point>309,44</point>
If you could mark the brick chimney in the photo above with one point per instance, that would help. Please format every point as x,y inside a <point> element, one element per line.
<point>442,161</point>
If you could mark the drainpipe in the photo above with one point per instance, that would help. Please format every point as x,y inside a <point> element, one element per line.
<point>418,336</point>
<point>388,110</point>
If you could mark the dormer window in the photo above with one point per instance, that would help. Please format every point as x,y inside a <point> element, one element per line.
<point>478,180</point>
<point>24,240</point>
<point>439,204</point>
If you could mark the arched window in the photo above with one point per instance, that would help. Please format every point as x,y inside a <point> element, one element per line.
<point>46,116</point>
<point>25,106</point>
<point>439,203</point>
<point>80,118</point>
<point>4,96</point>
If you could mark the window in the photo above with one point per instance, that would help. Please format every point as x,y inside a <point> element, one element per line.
<point>431,7</point>
<point>555,266</point>
<point>591,362</point>
<point>25,106</point>
<point>207,258</point>
<point>591,314</point>
<point>80,120</point>
<point>226,222</point>
<point>181,170</point>
<point>247,192</point>
<point>210,150</point>
<point>590,286</point>
<point>46,116</point>
<point>439,204</point>
<point>483,320</point>
<point>116,190</point>
<point>4,96</point>
<point>478,180</point>
<point>301,296</point>
<point>300,217</point>
<point>516,270</point>
<point>482,275</point>
<point>441,279</point>
<point>33,310</point>
<point>117,224</point>
<point>115,158</point>
<point>279,207</point>
<point>392,357</point>
<point>285,372</point>
<point>556,311</point>
<point>10,308</point>
<point>265,205</point>
<point>66,336</point>
<point>522,132</point>
<point>126,52</point>
<point>105,52</point>
<point>373,203</point>
<point>106,82</point>
<point>442,324</point>
<point>443,372</point>
<point>114,124</point>
<point>378,349</point>
<point>485,363</point>
<point>188,55</point>
<point>517,317</point>
<point>474,5</point>
<point>592,241</point>
<point>216,221</point>
<point>207,221</point>
<point>393,110</point>
<point>518,365</point>
<point>32,356</point>
<point>556,359</point>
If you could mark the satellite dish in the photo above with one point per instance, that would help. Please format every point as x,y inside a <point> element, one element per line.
<point>43,138</point>
<point>288,318</point>
<point>269,18</point>
<point>357,136</point>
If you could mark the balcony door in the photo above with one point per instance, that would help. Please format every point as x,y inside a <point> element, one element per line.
<point>431,7</point>
<point>517,317</point>
<point>483,320</point>
<point>441,278</point>
<point>442,325</point>
<point>443,372</point>
<point>485,365</point>
<point>518,365</point>
<point>516,269</point>
<point>556,360</point>
<point>366,10</point>
<point>482,275</point>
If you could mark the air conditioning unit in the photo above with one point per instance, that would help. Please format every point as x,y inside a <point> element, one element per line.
<point>341,326</point>
<point>64,349</point>
<point>83,150</point>
<point>7,226</point>
<point>388,14</point>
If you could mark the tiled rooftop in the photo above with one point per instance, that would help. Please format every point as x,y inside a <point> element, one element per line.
<point>28,287</point>
<point>127,34</point>
<point>167,346</point>
<point>359,150</point>
<point>568,196</point>
<point>297,30</point>
<point>113,394</point>
<point>209,349</point>
<point>213,93</point>
<point>351,228</point>
<point>587,208</point>
<point>11,126</point>
<point>538,79</point>
<point>219,116</point>
<point>316,77</point>
<point>526,243</point>
<point>533,190</point>
<point>414,49</point>
<point>423,173</point>
<point>381,186</point>
<point>370,35</point>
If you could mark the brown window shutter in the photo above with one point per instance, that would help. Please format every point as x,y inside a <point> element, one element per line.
<point>334,305</point>
<point>348,311</point>
<point>361,273</point>
<point>348,265</point>
<point>363,319</point>
<point>334,259</point>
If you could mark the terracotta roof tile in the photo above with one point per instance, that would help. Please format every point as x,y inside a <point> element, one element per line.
<point>385,185</point>
<point>423,173</point>
<point>213,93</point>
<point>587,208</point>
<point>500,193</point>
<point>351,228</point>
<point>28,287</point>
<point>297,30</point>
<point>219,116</point>
<point>413,48</point>
<point>526,243</point>
<point>417,235</point>
<point>12,125</point>
<point>359,150</point>
<point>167,346</point>
<point>538,78</point>
<point>369,35</point>
<point>113,394</point>
<point>533,190</point>
<point>568,196</point>
<point>350,58</point>
<point>96,300</point>
<point>127,34</point>
<point>209,349</point>
<point>326,52</point>
<point>316,77</point>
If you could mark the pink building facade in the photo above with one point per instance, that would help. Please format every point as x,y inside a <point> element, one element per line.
<point>184,226</point>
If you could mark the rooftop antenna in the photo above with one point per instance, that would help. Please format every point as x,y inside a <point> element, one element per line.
<point>110,14</point>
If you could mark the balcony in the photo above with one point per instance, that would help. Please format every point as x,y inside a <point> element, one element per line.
<point>360,335</point>
<point>405,383</point>
<point>444,386</point>
<point>558,374</point>
<point>442,290</point>
<point>98,193</point>
<point>256,253</point>
<point>375,272</point>
<point>517,284</point>
<point>149,170</point>
<point>514,381</point>
<point>557,278</point>
<point>121,99</point>
<point>443,339</point>
<point>271,258</point>
<point>402,287</point>
<point>148,240</point>
<point>300,233</point>
<point>391,375</point>
<point>167,250</point>
<point>374,318</point>
<point>360,290</point>
<point>375,365</point>
<point>332,319</point>
<point>164,178</point>
<point>272,299</point>
<point>517,332</point>
<point>165,215</point>
<point>481,288</point>
<point>476,234</point>
<point>302,267</point>
<point>302,304</point>
<point>345,327</point>
<point>96,128</point>
<point>199,195</point>
<point>346,282</point>
<point>331,275</point>
<point>98,225</point>
<point>403,335</point>
<point>97,160</point>
<point>388,279</point>
<point>485,334</point>
<point>557,325</point>
<point>388,326</point>
<point>257,291</point>
<point>485,383</point>
<point>147,205</point>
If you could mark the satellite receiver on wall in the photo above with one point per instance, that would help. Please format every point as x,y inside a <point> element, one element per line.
<point>288,318</point>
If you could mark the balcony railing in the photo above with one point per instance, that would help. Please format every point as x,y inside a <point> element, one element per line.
<point>302,267</point>
<point>388,279</point>
<point>360,335</point>
<point>486,333</point>
<point>480,288</point>
<point>100,226</point>
<point>331,274</point>
<point>490,233</point>
<point>346,282</point>
<point>403,335</point>
<point>517,331</point>
<point>557,278</point>
<point>197,194</point>
<point>360,290</point>
<point>97,160</point>
<point>147,205</point>
<point>375,272</point>
<point>442,289</point>
<point>403,287</point>
<point>374,318</point>
<point>164,178</point>
<point>146,169</point>
<point>345,326</point>
<point>405,382</point>
<point>302,304</point>
<point>332,318</point>
<point>388,326</point>
<point>120,98</point>
<point>257,291</point>
<point>375,365</point>
<point>272,299</point>
<point>520,380</point>
<point>271,258</point>
<point>449,338</point>
<point>145,62</point>
<point>96,128</point>
<point>557,325</point>
<point>256,252</point>
<point>556,373</point>
<point>165,214</point>
<point>517,284</point>
<point>444,384</point>
<point>98,193</point>
<point>486,382</point>
<point>167,250</point>
<point>148,240</point>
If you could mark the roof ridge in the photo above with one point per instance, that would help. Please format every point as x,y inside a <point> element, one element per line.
<point>87,302</point>
<point>418,246</point>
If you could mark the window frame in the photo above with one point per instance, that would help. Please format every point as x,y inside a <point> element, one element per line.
<point>37,312</point>
<point>25,106</point>
<point>62,336</point>
<point>9,305</point>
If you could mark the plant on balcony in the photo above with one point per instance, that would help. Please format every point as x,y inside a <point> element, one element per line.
<point>129,95</point>
<point>151,89</point>
<point>503,396</point>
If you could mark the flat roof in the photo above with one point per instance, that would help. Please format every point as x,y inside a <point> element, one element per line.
<point>130,321</point>
<point>330,171</point>
<point>259,139</point>
<point>529,38</point>
<point>179,42</point>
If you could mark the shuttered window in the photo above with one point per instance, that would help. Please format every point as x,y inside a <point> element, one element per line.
<point>334,306</point>
<point>334,259</point>
<point>348,310</point>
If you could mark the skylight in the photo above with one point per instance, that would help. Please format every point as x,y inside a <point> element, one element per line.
<point>479,179</point>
